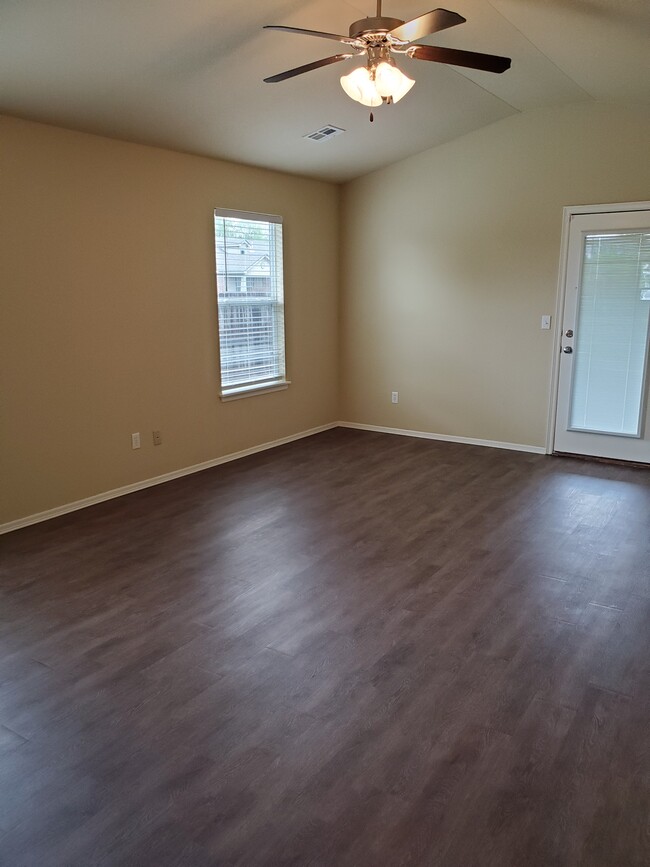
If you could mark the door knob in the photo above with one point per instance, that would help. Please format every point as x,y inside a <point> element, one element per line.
<point>567,350</point>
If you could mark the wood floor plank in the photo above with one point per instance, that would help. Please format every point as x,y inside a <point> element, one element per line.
<point>353,650</point>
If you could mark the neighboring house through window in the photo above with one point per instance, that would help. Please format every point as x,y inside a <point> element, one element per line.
<point>250,300</point>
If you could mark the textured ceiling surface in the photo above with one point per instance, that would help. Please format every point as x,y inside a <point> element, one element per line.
<point>188,75</point>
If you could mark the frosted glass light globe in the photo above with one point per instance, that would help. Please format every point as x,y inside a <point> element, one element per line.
<point>391,81</point>
<point>359,86</point>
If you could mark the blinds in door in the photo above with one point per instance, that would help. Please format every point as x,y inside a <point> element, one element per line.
<point>611,348</point>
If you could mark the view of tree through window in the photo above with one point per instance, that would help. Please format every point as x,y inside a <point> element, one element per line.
<point>250,299</point>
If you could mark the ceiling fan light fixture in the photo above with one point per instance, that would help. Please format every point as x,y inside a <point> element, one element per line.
<point>360,86</point>
<point>378,38</point>
<point>391,81</point>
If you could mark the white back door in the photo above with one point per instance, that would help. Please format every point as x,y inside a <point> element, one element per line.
<point>602,407</point>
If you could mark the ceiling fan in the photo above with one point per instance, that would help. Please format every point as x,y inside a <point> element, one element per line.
<point>378,39</point>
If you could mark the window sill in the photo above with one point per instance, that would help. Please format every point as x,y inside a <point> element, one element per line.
<point>252,390</point>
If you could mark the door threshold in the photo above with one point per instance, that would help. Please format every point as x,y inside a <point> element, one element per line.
<point>641,465</point>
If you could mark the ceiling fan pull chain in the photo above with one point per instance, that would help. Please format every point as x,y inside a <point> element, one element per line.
<point>372,117</point>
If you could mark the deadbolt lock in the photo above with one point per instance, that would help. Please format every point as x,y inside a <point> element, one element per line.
<point>568,332</point>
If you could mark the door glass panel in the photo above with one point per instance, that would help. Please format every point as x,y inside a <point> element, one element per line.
<point>611,346</point>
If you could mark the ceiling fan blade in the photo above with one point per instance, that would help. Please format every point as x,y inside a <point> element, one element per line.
<point>471,59</point>
<point>347,40</point>
<point>432,22</point>
<point>282,76</point>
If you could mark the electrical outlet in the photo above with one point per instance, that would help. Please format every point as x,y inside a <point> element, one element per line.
<point>157,437</point>
<point>394,396</point>
<point>135,440</point>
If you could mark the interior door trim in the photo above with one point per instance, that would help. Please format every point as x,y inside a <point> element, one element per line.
<point>567,213</point>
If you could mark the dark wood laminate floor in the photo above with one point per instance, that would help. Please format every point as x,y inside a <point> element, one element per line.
<point>356,649</point>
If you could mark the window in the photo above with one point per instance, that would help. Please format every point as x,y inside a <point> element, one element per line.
<point>609,367</point>
<point>250,301</point>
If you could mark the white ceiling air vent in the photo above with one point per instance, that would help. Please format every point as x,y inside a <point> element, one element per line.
<point>324,133</point>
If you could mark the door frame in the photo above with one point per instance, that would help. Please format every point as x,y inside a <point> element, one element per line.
<point>568,212</point>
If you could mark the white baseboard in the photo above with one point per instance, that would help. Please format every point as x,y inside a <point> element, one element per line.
<point>196,468</point>
<point>492,444</point>
<point>157,480</point>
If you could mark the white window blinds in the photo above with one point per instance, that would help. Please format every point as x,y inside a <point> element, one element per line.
<point>250,300</point>
<point>612,334</point>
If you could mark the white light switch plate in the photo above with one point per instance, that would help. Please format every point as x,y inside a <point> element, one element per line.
<point>546,323</point>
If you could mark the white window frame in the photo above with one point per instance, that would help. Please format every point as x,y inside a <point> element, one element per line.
<point>247,387</point>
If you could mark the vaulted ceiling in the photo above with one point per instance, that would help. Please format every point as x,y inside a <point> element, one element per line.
<point>187,74</point>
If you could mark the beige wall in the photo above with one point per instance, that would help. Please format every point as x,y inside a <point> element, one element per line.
<point>451,258</point>
<point>108,320</point>
<point>108,313</point>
